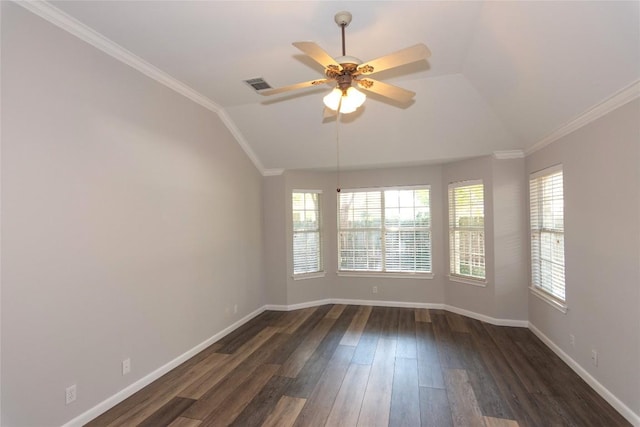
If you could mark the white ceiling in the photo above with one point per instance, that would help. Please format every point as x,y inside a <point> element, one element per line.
<point>502,75</point>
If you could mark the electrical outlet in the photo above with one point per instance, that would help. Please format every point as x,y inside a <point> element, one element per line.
<point>594,357</point>
<point>70,394</point>
<point>126,366</point>
<point>572,340</point>
<point>235,309</point>
<point>374,290</point>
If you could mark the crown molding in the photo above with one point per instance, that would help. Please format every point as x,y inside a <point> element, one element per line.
<point>508,154</point>
<point>224,116</point>
<point>273,172</point>
<point>70,24</point>
<point>617,100</point>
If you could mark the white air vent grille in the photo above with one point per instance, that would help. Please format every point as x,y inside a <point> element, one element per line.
<point>258,83</point>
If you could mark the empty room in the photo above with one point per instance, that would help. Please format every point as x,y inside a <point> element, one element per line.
<point>319,213</point>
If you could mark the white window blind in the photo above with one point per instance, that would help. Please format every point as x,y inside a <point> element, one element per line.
<point>466,229</point>
<point>547,232</point>
<point>307,242</point>
<point>385,230</point>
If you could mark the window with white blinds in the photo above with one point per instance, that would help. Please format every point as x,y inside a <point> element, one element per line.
<point>385,230</point>
<point>307,238</point>
<point>547,232</point>
<point>466,230</point>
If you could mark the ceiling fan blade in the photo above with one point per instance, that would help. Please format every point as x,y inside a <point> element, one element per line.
<point>389,91</point>
<point>278,90</point>
<point>317,53</point>
<point>401,57</point>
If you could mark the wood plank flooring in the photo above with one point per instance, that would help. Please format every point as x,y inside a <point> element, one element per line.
<point>338,365</point>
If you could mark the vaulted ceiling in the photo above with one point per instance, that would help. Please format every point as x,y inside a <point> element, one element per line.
<point>502,75</point>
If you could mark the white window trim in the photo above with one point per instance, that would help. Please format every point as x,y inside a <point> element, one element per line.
<point>387,274</point>
<point>549,299</point>
<point>305,276</point>
<point>313,274</point>
<point>468,280</point>
<point>544,295</point>
<point>458,184</point>
<point>298,190</point>
<point>396,187</point>
<point>547,171</point>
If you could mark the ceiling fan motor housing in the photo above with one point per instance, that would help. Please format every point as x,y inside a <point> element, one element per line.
<point>348,60</point>
<point>344,81</point>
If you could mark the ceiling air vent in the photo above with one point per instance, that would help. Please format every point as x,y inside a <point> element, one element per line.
<point>258,83</point>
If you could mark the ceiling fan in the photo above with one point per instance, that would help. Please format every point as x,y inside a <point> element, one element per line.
<point>348,72</point>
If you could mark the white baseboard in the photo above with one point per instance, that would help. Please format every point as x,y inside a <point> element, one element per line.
<point>487,319</point>
<point>350,302</point>
<point>148,379</point>
<point>316,303</point>
<point>110,402</point>
<point>624,410</point>
<point>402,304</point>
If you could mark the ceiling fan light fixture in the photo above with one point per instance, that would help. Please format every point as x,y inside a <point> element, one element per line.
<point>332,100</point>
<point>351,100</point>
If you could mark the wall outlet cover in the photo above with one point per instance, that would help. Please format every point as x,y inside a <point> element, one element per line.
<point>126,366</point>
<point>71,393</point>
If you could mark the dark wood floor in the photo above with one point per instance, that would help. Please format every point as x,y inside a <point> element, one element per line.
<point>367,366</point>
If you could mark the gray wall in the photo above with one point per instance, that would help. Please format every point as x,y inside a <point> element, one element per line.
<point>312,289</point>
<point>131,223</point>
<point>478,299</point>
<point>503,297</point>
<point>275,244</point>
<point>601,170</point>
<point>510,239</point>
<point>401,290</point>
<point>331,285</point>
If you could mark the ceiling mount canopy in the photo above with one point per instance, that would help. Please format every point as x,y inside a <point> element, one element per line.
<point>347,72</point>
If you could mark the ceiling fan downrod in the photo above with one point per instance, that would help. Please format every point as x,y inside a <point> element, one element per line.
<point>343,19</point>
<point>344,79</point>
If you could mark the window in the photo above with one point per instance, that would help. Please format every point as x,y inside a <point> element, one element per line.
<point>466,230</point>
<point>547,232</point>
<point>307,242</point>
<point>385,230</point>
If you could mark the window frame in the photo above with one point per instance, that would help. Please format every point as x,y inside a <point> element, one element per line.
<point>383,231</point>
<point>453,229</point>
<point>536,231</point>
<point>318,230</point>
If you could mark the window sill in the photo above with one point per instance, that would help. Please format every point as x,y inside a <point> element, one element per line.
<point>304,276</point>
<point>385,275</point>
<point>560,306</point>
<point>468,281</point>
